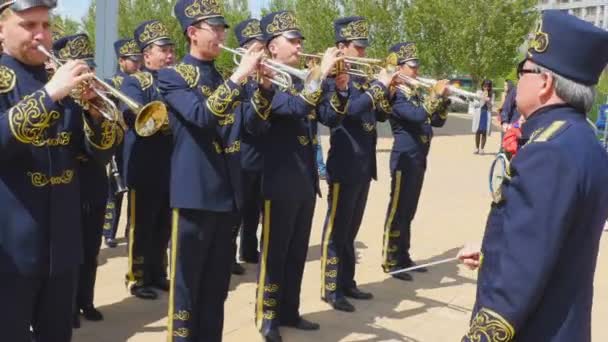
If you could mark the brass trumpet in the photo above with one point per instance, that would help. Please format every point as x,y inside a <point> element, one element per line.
<point>149,118</point>
<point>430,83</point>
<point>357,66</point>
<point>283,73</point>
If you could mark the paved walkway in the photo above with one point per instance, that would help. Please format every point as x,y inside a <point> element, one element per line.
<point>434,307</point>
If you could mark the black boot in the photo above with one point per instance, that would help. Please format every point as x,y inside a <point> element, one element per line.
<point>143,292</point>
<point>92,314</point>
<point>273,335</point>
<point>341,304</point>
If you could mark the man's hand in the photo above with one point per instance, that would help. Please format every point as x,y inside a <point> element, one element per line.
<point>470,256</point>
<point>386,78</point>
<point>265,76</point>
<point>441,88</point>
<point>249,63</point>
<point>66,78</point>
<point>342,82</point>
<point>330,58</point>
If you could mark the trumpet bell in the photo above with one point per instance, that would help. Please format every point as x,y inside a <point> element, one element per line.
<point>151,118</point>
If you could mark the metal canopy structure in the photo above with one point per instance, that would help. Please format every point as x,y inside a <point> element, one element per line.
<point>106,33</point>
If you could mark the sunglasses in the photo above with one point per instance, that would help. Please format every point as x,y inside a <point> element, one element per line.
<point>521,71</point>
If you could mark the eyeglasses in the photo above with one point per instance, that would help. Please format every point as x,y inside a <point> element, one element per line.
<point>521,71</point>
<point>213,28</point>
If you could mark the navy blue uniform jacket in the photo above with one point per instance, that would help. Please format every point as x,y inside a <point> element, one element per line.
<point>541,241</point>
<point>40,140</point>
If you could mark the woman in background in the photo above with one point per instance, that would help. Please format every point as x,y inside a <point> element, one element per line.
<point>482,114</point>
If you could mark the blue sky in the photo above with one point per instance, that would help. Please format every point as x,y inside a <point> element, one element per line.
<point>76,9</point>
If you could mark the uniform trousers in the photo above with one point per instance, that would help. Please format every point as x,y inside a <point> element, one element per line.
<point>406,185</point>
<point>346,205</point>
<point>92,223</point>
<point>252,206</point>
<point>285,237</point>
<point>149,233</point>
<point>44,303</point>
<point>201,260</point>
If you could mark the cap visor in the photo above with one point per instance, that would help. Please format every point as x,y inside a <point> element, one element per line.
<point>292,34</point>
<point>217,21</point>
<point>361,42</point>
<point>22,5</point>
<point>163,42</point>
<point>134,58</point>
<point>412,63</point>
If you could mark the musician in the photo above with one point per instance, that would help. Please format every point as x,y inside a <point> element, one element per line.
<point>542,236</point>
<point>206,116</point>
<point>247,33</point>
<point>44,131</point>
<point>289,181</point>
<point>93,190</point>
<point>146,168</point>
<point>351,164</point>
<point>129,62</point>
<point>412,117</point>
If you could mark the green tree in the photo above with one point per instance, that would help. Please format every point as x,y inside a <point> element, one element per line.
<point>478,37</point>
<point>66,25</point>
<point>386,22</point>
<point>134,12</point>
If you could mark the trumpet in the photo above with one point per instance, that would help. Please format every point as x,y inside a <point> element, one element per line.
<point>430,83</point>
<point>283,73</point>
<point>357,66</point>
<point>149,118</point>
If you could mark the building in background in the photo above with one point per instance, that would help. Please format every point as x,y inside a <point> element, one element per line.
<point>594,11</point>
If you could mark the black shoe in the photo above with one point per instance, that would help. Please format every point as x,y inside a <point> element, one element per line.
<point>162,284</point>
<point>92,314</point>
<point>355,293</point>
<point>76,321</point>
<point>237,269</point>
<point>111,243</point>
<point>403,276</point>
<point>272,335</point>
<point>341,304</point>
<point>303,324</point>
<point>419,270</point>
<point>143,292</point>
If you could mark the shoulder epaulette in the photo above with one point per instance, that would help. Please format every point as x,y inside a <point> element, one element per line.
<point>117,81</point>
<point>144,78</point>
<point>7,79</point>
<point>189,73</point>
<point>551,131</point>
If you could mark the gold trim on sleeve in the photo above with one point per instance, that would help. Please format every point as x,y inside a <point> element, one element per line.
<point>488,325</point>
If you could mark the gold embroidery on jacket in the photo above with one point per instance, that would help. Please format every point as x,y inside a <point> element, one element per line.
<point>40,179</point>
<point>145,79</point>
<point>189,73</point>
<point>221,99</point>
<point>29,119</point>
<point>488,325</point>
<point>7,79</point>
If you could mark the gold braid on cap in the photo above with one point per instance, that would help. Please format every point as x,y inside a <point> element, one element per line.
<point>282,22</point>
<point>204,8</point>
<point>355,30</point>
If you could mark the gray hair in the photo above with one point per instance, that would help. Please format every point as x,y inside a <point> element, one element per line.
<point>575,94</point>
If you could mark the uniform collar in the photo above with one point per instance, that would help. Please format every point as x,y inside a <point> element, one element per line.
<point>546,115</point>
<point>195,61</point>
<point>153,72</point>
